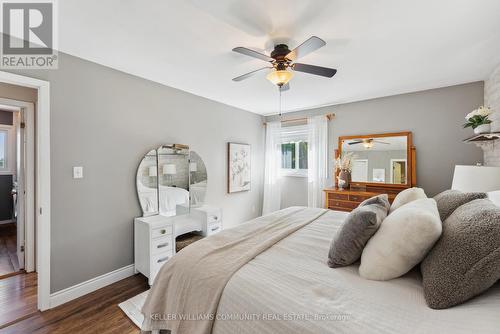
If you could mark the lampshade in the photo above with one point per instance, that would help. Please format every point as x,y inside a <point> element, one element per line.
<point>193,167</point>
<point>280,77</point>
<point>169,169</point>
<point>476,178</point>
<point>152,171</point>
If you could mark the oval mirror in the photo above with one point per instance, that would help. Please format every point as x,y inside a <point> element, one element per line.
<point>147,184</point>
<point>198,179</point>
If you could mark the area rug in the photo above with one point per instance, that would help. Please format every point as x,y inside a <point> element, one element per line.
<point>132,308</point>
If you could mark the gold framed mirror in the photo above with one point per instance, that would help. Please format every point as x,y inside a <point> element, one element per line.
<point>385,160</point>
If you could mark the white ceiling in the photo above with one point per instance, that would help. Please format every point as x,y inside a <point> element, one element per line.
<point>380,48</point>
<point>393,144</point>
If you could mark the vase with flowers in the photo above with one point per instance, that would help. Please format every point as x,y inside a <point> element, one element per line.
<point>478,120</point>
<point>344,164</point>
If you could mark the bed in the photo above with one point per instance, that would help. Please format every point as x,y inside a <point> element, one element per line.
<point>288,288</point>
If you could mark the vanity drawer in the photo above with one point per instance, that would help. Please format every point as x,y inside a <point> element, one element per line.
<point>161,231</point>
<point>157,260</point>
<point>161,244</point>
<point>213,216</point>
<point>343,197</point>
<point>214,228</point>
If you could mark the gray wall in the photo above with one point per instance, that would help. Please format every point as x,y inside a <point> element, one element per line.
<point>434,116</point>
<point>106,121</point>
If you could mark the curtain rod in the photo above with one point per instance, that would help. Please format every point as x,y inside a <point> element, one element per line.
<point>328,117</point>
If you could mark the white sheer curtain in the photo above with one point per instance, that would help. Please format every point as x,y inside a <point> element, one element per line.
<point>272,187</point>
<point>317,160</point>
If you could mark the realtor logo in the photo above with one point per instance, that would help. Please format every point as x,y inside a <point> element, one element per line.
<point>28,34</point>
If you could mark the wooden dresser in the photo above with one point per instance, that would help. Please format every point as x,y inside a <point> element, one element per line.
<point>347,200</point>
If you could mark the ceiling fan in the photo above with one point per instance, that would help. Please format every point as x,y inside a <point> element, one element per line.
<point>282,62</point>
<point>368,143</point>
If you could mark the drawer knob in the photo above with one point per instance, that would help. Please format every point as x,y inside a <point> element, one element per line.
<point>163,231</point>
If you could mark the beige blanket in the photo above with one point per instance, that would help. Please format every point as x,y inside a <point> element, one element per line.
<point>186,292</point>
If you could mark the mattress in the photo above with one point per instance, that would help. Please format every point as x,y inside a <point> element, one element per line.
<point>290,289</point>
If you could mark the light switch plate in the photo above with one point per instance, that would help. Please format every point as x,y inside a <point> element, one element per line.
<point>78,172</point>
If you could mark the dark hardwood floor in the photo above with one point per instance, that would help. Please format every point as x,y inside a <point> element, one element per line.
<point>97,312</point>
<point>8,249</point>
<point>18,297</point>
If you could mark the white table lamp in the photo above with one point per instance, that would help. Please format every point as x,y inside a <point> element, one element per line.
<point>476,178</point>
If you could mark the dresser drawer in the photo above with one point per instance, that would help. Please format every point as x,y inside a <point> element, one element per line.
<point>357,198</point>
<point>162,244</point>
<point>342,204</point>
<point>161,231</point>
<point>339,208</point>
<point>343,197</point>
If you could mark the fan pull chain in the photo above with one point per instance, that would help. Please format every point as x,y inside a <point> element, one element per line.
<point>279,87</point>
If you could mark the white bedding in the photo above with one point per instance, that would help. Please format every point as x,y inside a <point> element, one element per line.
<point>292,278</point>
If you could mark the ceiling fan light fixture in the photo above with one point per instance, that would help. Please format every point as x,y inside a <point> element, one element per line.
<point>368,144</point>
<point>280,77</point>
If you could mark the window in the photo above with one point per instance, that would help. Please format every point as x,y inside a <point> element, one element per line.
<point>7,149</point>
<point>294,151</point>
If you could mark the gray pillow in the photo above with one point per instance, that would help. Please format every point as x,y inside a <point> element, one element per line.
<point>359,226</point>
<point>466,260</point>
<point>382,199</point>
<point>449,200</point>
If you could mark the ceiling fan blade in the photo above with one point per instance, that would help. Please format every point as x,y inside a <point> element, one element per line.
<point>312,44</point>
<point>285,87</point>
<point>252,53</point>
<point>381,142</point>
<point>249,74</point>
<point>316,70</point>
<point>355,142</point>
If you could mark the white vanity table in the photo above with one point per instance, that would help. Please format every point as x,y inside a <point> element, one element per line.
<point>154,236</point>
<point>166,178</point>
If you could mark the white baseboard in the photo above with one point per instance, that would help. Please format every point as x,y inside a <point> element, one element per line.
<point>81,289</point>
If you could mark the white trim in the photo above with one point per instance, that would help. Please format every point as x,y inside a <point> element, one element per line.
<point>81,289</point>
<point>42,194</point>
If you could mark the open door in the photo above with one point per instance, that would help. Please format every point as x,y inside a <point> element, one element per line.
<point>19,189</point>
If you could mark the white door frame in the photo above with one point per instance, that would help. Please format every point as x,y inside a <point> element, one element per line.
<point>391,168</point>
<point>42,179</point>
<point>27,180</point>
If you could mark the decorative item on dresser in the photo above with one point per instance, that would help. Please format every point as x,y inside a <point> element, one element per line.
<point>171,186</point>
<point>380,163</point>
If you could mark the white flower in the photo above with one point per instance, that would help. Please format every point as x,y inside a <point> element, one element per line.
<point>481,111</point>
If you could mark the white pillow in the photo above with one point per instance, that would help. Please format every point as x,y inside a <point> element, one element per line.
<point>407,196</point>
<point>494,196</point>
<point>402,241</point>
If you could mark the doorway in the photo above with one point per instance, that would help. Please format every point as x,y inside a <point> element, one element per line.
<point>398,171</point>
<point>17,211</point>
